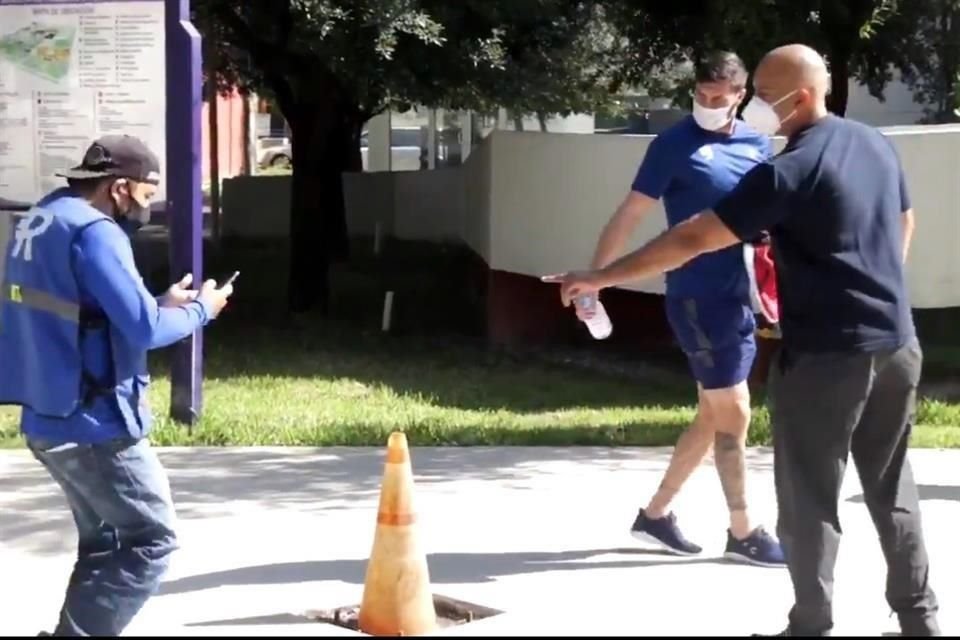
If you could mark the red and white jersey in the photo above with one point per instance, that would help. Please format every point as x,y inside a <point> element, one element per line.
<point>758,259</point>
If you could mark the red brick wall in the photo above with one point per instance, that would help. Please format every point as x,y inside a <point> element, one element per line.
<point>230,136</point>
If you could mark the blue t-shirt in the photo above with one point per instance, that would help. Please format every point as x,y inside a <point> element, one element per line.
<point>833,202</point>
<point>692,169</point>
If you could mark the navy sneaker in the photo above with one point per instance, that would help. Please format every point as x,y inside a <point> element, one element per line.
<point>759,548</point>
<point>664,533</point>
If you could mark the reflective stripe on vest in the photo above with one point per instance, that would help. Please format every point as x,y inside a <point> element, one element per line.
<point>42,301</point>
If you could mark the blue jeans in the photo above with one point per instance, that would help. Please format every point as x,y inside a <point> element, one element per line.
<point>120,498</point>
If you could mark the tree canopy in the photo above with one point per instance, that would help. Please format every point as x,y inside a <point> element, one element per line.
<point>331,65</point>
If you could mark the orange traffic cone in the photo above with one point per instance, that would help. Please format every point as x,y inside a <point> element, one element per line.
<point>397,600</point>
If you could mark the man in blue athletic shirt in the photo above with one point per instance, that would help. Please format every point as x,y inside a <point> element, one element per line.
<point>691,166</point>
<point>76,322</point>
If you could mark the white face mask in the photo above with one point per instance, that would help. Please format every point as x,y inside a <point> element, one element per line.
<point>712,119</point>
<point>759,115</point>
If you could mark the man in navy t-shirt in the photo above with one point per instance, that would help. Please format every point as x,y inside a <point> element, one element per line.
<point>691,166</point>
<point>836,204</point>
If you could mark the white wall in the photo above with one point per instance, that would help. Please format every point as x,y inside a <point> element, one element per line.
<point>477,205</point>
<point>256,207</point>
<point>534,203</point>
<point>428,205</point>
<point>931,158</point>
<point>552,194</point>
<point>414,205</point>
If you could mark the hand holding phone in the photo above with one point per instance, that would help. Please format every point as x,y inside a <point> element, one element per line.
<point>216,295</point>
<point>230,280</point>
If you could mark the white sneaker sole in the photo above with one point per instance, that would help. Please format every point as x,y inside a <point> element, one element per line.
<point>649,539</point>
<point>742,559</point>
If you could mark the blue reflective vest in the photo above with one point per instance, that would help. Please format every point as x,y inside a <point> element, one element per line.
<point>42,322</point>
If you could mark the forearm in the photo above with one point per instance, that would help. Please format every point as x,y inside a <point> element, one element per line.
<point>622,223</point>
<point>702,233</point>
<point>908,226</point>
<point>666,252</point>
<point>612,239</point>
<point>106,270</point>
<point>176,323</point>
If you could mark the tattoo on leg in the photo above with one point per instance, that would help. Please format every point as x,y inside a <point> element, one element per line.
<point>691,449</point>
<point>729,452</point>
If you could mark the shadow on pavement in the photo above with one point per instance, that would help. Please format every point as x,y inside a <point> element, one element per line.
<point>445,568</point>
<point>208,482</point>
<point>277,619</point>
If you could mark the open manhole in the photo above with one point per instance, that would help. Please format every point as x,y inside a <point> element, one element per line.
<point>450,613</point>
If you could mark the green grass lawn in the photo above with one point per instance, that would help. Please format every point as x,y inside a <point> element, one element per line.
<point>315,382</point>
<point>328,385</point>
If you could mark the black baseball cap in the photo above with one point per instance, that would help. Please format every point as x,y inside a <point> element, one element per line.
<point>120,156</point>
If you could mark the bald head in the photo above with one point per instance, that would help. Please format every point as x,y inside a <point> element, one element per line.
<point>794,80</point>
<point>796,66</point>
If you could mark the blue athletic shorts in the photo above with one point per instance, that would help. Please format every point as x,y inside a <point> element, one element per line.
<point>717,337</point>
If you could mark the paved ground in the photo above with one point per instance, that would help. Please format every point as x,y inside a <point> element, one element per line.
<point>538,533</point>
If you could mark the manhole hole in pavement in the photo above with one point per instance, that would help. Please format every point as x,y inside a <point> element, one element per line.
<point>450,613</point>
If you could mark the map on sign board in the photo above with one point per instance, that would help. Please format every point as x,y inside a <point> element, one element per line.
<point>41,49</point>
<point>71,72</point>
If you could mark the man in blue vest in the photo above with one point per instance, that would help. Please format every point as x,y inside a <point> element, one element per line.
<point>76,322</point>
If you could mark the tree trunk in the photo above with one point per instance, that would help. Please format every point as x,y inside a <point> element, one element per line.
<point>839,82</point>
<point>325,142</point>
<point>249,137</point>
<point>949,63</point>
<point>542,119</point>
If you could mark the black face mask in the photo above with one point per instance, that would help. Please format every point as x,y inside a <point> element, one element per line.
<point>133,219</point>
<point>129,225</point>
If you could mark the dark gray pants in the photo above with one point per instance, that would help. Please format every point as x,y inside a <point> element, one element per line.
<point>823,408</point>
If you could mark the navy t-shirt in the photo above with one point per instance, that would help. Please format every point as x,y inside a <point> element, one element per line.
<point>692,169</point>
<point>833,202</point>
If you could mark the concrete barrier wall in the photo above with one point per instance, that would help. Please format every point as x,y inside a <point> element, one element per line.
<point>369,199</point>
<point>931,160</point>
<point>427,205</point>
<point>532,203</point>
<point>477,191</point>
<point>552,194</point>
<point>413,205</point>
<point>256,207</point>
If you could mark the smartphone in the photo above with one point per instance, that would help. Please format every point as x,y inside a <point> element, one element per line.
<point>231,279</point>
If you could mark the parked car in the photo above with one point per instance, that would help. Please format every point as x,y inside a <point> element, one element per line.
<point>275,152</point>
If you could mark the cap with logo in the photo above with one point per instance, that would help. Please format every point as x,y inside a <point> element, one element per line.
<point>120,156</point>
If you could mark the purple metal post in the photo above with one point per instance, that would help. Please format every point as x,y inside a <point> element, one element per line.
<point>184,194</point>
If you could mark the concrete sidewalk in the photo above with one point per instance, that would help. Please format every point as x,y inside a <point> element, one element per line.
<point>539,533</point>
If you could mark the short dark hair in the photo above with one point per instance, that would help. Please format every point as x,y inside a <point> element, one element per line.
<point>720,66</point>
<point>85,187</point>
